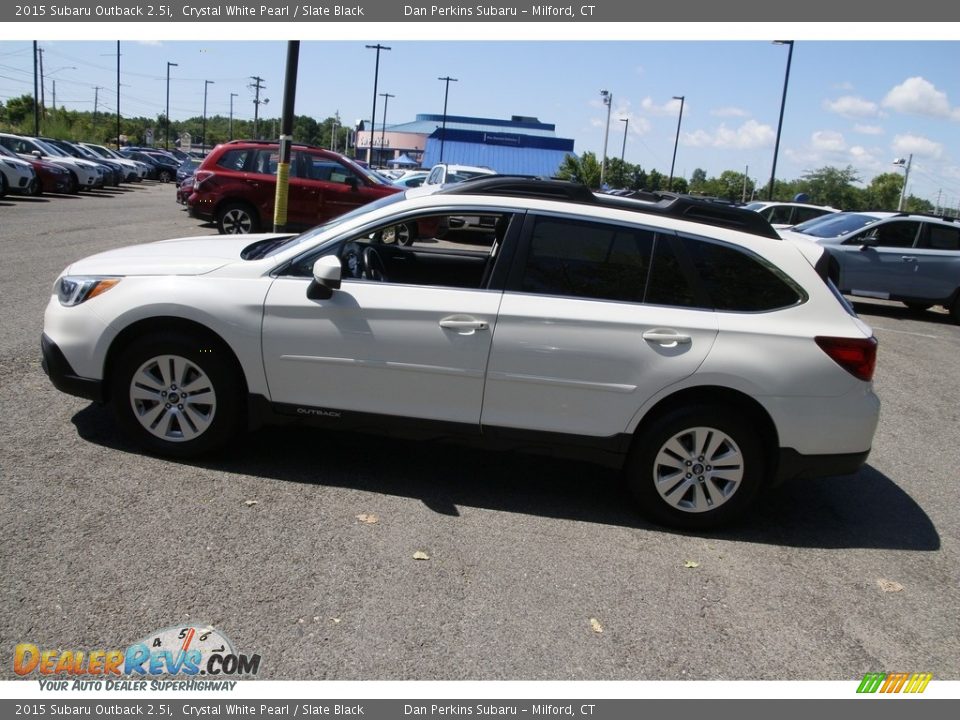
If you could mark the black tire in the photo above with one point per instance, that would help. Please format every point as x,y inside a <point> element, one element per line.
<point>667,450</point>
<point>917,307</point>
<point>177,395</point>
<point>4,186</point>
<point>74,186</point>
<point>165,176</point>
<point>237,218</point>
<point>37,189</point>
<point>955,309</point>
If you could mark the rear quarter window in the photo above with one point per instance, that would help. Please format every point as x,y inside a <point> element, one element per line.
<point>736,280</point>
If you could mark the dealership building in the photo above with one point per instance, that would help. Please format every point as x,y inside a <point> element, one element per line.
<point>520,145</point>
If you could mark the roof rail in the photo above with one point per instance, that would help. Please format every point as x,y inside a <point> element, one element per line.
<point>948,218</point>
<point>682,207</point>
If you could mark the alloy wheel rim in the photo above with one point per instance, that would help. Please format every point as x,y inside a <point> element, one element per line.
<point>172,398</point>
<point>237,222</point>
<point>698,470</point>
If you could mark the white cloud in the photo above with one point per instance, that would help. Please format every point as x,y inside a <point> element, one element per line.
<point>918,96</point>
<point>917,145</point>
<point>850,106</point>
<point>729,112</point>
<point>828,141</point>
<point>748,136</point>
<point>670,107</point>
<point>868,129</point>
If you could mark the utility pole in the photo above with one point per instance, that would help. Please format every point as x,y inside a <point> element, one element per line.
<point>906,176</point>
<point>166,116</point>
<point>203,142</point>
<point>608,101</point>
<point>676,141</point>
<point>43,103</point>
<point>373,113</point>
<point>118,94</point>
<point>96,102</point>
<point>746,174</point>
<point>783,104</point>
<point>36,108</point>
<point>257,86</point>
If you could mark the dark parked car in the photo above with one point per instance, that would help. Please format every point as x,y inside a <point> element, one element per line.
<point>163,166</point>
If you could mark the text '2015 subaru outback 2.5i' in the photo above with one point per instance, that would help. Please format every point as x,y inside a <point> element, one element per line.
<point>681,340</point>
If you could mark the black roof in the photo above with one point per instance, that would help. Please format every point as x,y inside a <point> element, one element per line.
<point>681,207</point>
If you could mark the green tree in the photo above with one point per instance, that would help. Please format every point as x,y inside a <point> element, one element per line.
<point>20,109</point>
<point>698,180</point>
<point>883,193</point>
<point>833,186</point>
<point>584,169</point>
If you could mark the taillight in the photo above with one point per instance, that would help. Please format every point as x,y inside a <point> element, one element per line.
<point>858,356</point>
<point>200,177</point>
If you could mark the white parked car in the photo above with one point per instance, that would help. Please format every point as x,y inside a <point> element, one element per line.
<point>444,173</point>
<point>681,340</point>
<point>139,170</point>
<point>787,214</point>
<point>16,176</point>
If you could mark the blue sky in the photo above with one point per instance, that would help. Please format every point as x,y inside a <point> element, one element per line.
<point>860,103</point>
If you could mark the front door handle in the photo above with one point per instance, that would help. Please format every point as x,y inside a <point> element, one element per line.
<point>666,338</point>
<point>908,258</point>
<point>463,324</point>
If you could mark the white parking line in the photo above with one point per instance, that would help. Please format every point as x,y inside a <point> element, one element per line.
<point>906,332</point>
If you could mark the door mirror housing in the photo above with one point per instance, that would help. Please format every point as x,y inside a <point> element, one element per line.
<point>327,272</point>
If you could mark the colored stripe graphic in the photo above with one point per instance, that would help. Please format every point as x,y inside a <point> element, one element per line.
<point>894,682</point>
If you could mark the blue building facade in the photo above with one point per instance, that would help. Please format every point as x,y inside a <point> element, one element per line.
<point>521,145</point>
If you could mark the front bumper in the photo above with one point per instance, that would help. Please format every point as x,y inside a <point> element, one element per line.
<point>63,377</point>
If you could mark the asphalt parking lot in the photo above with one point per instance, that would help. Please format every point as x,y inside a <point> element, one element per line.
<point>537,568</point>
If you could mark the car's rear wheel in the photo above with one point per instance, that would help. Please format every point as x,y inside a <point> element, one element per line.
<point>696,468</point>
<point>165,176</point>
<point>237,219</point>
<point>177,394</point>
<point>917,307</point>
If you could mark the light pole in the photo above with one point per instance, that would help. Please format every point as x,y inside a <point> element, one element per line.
<point>623,150</point>
<point>446,95</point>
<point>906,176</point>
<point>676,140</point>
<point>166,116</point>
<point>783,103</point>
<point>203,141</point>
<point>608,101</point>
<point>373,113</point>
<point>383,128</point>
<point>232,96</point>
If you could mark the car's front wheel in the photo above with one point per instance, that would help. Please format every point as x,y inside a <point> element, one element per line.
<point>177,394</point>
<point>237,219</point>
<point>696,468</point>
<point>165,176</point>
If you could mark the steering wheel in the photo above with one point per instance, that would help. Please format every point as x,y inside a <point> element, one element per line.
<point>353,260</point>
<point>373,264</point>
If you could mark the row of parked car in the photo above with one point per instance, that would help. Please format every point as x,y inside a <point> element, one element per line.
<point>36,165</point>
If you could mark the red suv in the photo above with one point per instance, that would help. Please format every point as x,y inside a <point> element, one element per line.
<point>235,186</point>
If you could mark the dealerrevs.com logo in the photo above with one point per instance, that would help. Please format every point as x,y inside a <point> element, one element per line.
<point>189,650</point>
<point>888,683</point>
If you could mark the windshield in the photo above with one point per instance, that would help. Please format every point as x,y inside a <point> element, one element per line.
<point>8,153</point>
<point>836,225</point>
<point>372,176</point>
<point>268,248</point>
<point>50,149</point>
<point>98,150</point>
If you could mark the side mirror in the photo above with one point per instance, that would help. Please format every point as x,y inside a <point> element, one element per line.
<point>352,182</point>
<point>326,278</point>
<point>37,154</point>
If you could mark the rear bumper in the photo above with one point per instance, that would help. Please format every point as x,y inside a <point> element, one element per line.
<point>62,375</point>
<point>796,466</point>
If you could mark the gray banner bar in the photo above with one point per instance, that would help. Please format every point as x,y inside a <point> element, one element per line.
<point>854,709</point>
<point>321,11</point>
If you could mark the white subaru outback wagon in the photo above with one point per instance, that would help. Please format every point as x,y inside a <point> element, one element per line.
<point>678,339</point>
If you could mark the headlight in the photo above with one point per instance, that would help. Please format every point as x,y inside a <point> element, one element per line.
<point>77,289</point>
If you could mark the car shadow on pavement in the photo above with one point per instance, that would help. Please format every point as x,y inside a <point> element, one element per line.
<point>868,510</point>
<point>935,315</point>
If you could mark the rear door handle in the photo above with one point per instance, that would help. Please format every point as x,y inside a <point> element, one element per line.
<point>908,258</point>
<point>666,338</point>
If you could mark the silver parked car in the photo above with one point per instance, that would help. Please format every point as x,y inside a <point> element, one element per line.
<point>908,257</point>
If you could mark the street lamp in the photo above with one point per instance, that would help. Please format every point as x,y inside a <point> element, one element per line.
<point>608,101</point>
<point>203,141</point>
<point>905,164</point>
<point>383,131</point>
<point>446,94</point>
<point>783,103</point>
<point>676,140</point>
<point>373,113</point>
<point>623,150</point>
<point>232,96</point>
<point>166,115</point>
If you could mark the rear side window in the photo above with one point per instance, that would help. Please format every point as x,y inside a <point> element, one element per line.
<point>942,237</point>
<point>588,260</point>
<point>738,281</point>
<point>233,159</point>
